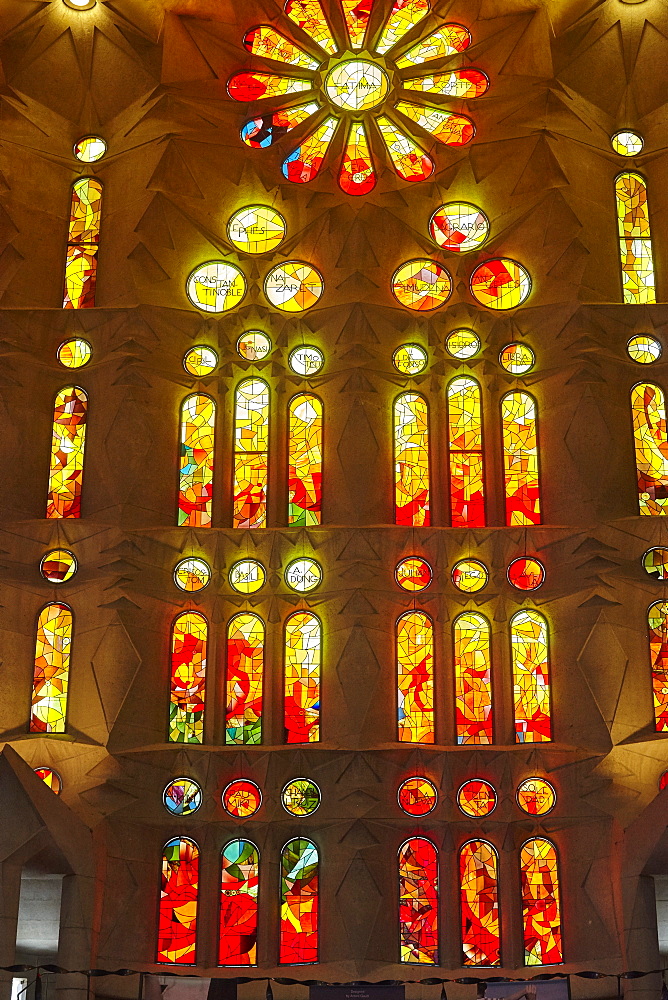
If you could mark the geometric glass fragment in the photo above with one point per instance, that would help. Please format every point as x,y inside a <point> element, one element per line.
<point>657,620</point>
<point>459,227</point>
<point>470,575</point>
<point>215,286</point>
<point>82,244</point>
<point>409,160</point>
<point>300,797</point>
<point>413,574</point>
<point>192,575</point>
<point>449,129</point>
<point>294,286</point>
<point>58,566</point>
<point>526,574</point>
<point>461,83</point>
<point>655,563</point>
<point>404,16</point>
<point>417,796</point>
<point>182,797</point>
<point>462,344</point>
<point>303,575</point>
<point>644,349</point>
<point>309,16</point>
<point>410,359</point>
<point>256,229</point>
<point>304,163</point>
<point>445,41</point>
<point>75,353</point>
<point>241,798</point>
<point>518,359</point>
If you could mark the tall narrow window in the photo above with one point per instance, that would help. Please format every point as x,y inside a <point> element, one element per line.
<point>303,645</point>
<point>251,454</point>
<point>299,903</point>
<point>657,618</point>
<point>520,459</point>
<point>418,901</point>
<point>82,244</point>
<point>473,678</point>
<point>651,443</point>
<point>531,677</point>
<point>411,460</point>
<point>415,669</point>
<point>541,908</point>
<point>177,920</point>
<point>188,678</point>
<point>240,867</point>
<point>467,481</point>
<point>635,239</point>
<point>68,441</point>
<point>52,669</point>
<point>198,422</point>
<point>245,670</point>
<point>305,460</point>
<point>479,903</point>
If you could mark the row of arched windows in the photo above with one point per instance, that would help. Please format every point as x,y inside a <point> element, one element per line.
<point>418,903</point>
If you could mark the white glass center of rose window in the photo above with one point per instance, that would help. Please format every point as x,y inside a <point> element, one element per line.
<point>357,85</point>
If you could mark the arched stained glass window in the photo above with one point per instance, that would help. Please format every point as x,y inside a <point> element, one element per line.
<point>188,678</point>
<point>67,453</point>
<point>245,670</point>
<point>415,669</point>
<point>240,868</point>
<point>635,239</point>
<point>303,651</point>
<point>198,425</point>
<point>299,903</point>
<point>411,460</point>
<point>479,903</point>
<point>541,908</point>
<point>648,406</point>
<point>177,920</point>
<point>418,901</point>
<point>82,244</point>
<point>305,460</point>
<point>531,676</point>
<point>467,480</point>
<point>251,454</point>
<point>657,619</point>
<point>52,668</point>
<point>473,678</point>
<point>520,459</point>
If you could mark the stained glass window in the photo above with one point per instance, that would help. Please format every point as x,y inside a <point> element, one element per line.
<point>198,425</point>
<point>500,283</point>
<point>75,353</point>
<point>479,903</point>
<point>531,676</point>
<point>657,619</point>
<point>520,459</point>
<point>177,924</point>
<point>536,796</point>
<point>411,460</point>
<point>459,227</point>
<point>421,285</point>
<point>541,906</point>
<point>251,454</point>
<point>415,669</point>
<point>241,798</point>
<point>52,669</point>
<point>648,406</point>
<point>405,14</point>
<point>418,901</point>
<point>303,650</point>
<point>473,678</point>
<point>408,159</point>
<point>309,16</point>
<point>188,678</point>
<point>265,130</point>
<point>294,286</point>
<point>216,286</point>
<point>299,903</point>
<point>50,778</point>
<point>245,669</point>
<point>445,41</point>
<point>635,239</point>
<point>476,798</point>
<point>254,85</point>
<point>82,244</point>
<point>526,574</point>
<point>305,460</point>
<point>58,565</point>
<point>357,14</point>
<point>644,349</point>
<point>256,229</point>
<point>417,796</point>
<point>465,84</point>
<point>357,85</point>
<point>237,943</point>
<point>467,478</point>
<point>272,44</point>
<point>357,174</point>
<point>182,797</point>
<point>300,797</point>
<point>306,360</point>
<point>67,453</point>
<point>451,130</point>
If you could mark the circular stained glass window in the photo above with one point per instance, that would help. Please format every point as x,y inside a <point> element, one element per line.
<point>242,798</point>
<point>459,227</point>
<point>518,359</point>
<point>192,575</point>
<point>644,349</point>
<point>526,574</point>
<point>410,359</point>
<point>50,778</point>
<point>216,287</point>
<point>413,574</point>
<point>421,285</point>
<point>417,796</point>
<point>293,286</point>
<point>58,566</point>
<point>306,360</point>
<point>247,576</point>
<point>200,361</point>
<point>627,143</point>
<point>182,797</point>
<point>303,575</point>
<point>462,344</point>
<point>253,345</point>
<point>536,796</point>
<point>300,797</point>
<point>90,149</point>
<point>469,575</point>
<point>500,283</point>
<point>357,85</point>
<point>75,353</point>
<point>655,562</point>
<point>256,229</point>
<point>476,797</point>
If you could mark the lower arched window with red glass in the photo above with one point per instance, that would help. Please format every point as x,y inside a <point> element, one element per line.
<point>299,933</point>
<point>177,920</point>
<point>541,903</point>
<point>240,868</point>
<point>479,903</point>
<point>418,901</point>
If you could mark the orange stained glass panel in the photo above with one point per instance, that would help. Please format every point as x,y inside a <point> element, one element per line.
<point>473,679</point>
<point>188,678</point>
<point>356,14</point>
<point>462,83</point>
<point>251,454</point>
<point>303,656</point>
<point>531,677</point>
<point>357,175</point>
<point>411,460</point>
<point>177,924</point>
<point>405,14</point>
<point>418,902</point>
<point>272,44</point>
<point>409,161</point>
<point>415,670</point>
<point>445,41</point>
<point>479,904</point>
<point>253,85</point>
<point>310,17</point>
<point>657,620</point>
<point>244,682</point>
<point>467,480</point>
<point>648,406</point>
<point>52,669</point>
<point>299,931</point>
<point>635,239</point>
<point>304,162</point>
<point>264,130</point>
<point>305,460</point>
<point>67,453</point>
<point>82,244</point>
<point>240,870</point>
<point>541,906</point>
<point>520,459</point>
<point>451,130</point>
<point>198,425</point>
